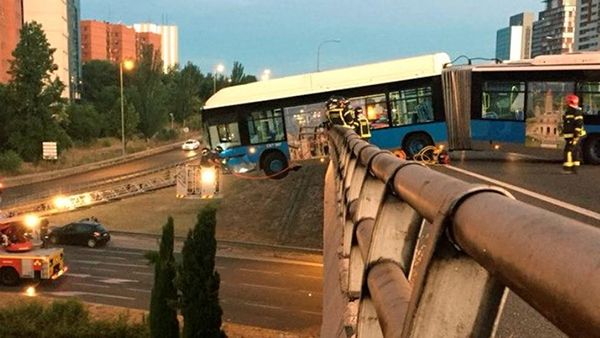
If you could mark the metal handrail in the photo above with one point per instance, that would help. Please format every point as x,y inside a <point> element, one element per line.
<point>430,255</point>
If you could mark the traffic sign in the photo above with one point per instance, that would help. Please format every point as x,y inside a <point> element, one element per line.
<point>50,151</point>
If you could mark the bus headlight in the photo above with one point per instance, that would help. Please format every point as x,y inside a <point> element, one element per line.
<point>252,150</point>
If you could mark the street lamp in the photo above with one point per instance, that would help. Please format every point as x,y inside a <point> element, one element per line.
<point>128,65</point>
<point>218,69</point>
<point>319,51</point>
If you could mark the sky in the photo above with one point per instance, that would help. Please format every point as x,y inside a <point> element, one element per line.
<point>283,35</point>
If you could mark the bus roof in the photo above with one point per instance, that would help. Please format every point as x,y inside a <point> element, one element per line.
<point>331,80</point>
<point>573,61</point>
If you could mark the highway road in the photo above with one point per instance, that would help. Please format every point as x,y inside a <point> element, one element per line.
<point>258,291</point>
<point>542,184</point>
<point>153,161</point>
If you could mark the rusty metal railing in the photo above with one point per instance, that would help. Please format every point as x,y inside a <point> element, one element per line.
<point>425,255</point>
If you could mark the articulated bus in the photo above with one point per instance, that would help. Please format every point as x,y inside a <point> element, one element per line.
<point>410,103</point>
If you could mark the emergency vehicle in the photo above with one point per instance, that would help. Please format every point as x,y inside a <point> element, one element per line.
<point>21,259</point>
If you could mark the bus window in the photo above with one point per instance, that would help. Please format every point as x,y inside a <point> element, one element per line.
<point>375,107</point>
<point>225,135</point>
<point>589,93</point>
<point>503,101</point>
<point>266,126</point>
<point>545,107</point>
<point>304,135</point>
<point>411,106</point>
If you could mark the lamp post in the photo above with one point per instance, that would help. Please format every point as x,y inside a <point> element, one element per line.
<point>128,65</point>
<point>218,69</point>
<point>319,51</point>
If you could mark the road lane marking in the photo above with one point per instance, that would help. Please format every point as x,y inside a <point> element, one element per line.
<point>91,285</point>
<point>529,193</point>
<point>143,273</point>
<point>263,286</point>
<point>105,263</point>
<point>271,260</point>
<point>264,306</point>
<point>220,267</point>
<point>92,268</point>
<point>114,252</point>
<point>307,276</point>
<point>80,293</point>
<point>108,257</point>
<point>260,271</point>
<point>312,313</point>
<point>104,279</point>
<point>139,290</point>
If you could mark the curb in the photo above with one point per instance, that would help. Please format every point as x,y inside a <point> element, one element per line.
<point>228,242</point>
<point>46,176</point>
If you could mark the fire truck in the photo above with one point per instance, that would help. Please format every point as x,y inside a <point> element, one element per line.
<point>22,258</point>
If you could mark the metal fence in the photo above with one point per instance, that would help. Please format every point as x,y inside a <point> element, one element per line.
<point>428,255</point>
<point>92,192</point>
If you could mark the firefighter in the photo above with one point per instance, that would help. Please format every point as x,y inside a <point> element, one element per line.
<point>573,132</point>
<point>361,124</point>
<point>339,112</point>
<point>44,233</point>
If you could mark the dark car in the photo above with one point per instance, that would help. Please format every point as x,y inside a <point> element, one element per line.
<point>84,232</point>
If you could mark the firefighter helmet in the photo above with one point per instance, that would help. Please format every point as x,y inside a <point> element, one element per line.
<point>358,111</point>
<point>336,102</point>
<point>572,100</point>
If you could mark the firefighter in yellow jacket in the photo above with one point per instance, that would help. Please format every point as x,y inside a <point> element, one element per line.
<point>573,132</point>
<point>339,112</point>
<point>361,124</point>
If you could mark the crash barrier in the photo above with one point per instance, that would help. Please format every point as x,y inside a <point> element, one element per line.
<point>46,176</point>
<point>421,254</point>
<point>89,185</point>
<point>96,192</point>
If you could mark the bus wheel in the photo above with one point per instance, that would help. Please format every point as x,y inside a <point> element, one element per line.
<point>275,165</point>
<point>413,143</point>
<point>591,149</point>
<point>9,276</point>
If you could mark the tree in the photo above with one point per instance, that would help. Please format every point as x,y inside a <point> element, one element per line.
<point>132,119</point>
<point>237,75</point>
<point>85,124</point>
<point>148,93</point>
<point>185,91</point>
<point>163,317</point>
<point>34,97</point>
<point>96,76</point>
<point>198,281</point>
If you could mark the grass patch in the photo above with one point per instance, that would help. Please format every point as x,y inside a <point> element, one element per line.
<point>288,211</point>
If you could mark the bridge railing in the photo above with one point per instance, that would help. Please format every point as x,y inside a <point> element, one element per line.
<point>427,255</point>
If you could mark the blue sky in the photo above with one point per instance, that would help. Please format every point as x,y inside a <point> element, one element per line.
<point>283,35</point>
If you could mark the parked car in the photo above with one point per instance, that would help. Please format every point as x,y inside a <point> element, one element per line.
<point>191,145</point>
<point>84,232</point>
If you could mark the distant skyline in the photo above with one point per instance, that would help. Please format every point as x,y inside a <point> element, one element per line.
<point>283,36</point>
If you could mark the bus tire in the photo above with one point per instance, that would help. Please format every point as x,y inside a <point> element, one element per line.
<point>9,276</point>
<point>591,149</point>
<point>275,165</point>
<point>414,142</point>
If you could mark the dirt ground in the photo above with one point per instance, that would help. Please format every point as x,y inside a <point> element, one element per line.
<point>105,312</point>
<point>286,212</point>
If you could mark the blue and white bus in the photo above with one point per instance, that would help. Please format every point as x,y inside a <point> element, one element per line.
<point>410,103</point>
<point>267,124</point>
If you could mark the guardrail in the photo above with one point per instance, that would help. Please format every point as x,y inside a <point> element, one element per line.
<point>45,176</point>
<point>96,192</point>
<point>416,253</point>
<point>89,185</point>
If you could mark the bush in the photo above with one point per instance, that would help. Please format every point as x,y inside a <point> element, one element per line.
<point>85,125</point>
<point>195,122</point>
<point>10,162</point>
<point>62,319</point>
<point>106,143</point>
<point>167,134</point>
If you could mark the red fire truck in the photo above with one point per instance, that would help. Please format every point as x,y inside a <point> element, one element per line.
<point>21,259</point>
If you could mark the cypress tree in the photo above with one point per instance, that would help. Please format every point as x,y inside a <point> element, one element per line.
<point>198,281</point>
<point>163,318</point>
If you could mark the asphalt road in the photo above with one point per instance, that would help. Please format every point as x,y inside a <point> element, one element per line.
<point>542,184</point>
<point>258,291</point>
<point>120,169</point>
